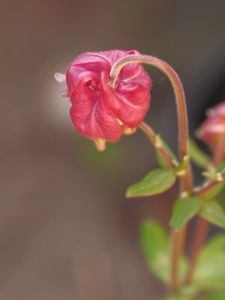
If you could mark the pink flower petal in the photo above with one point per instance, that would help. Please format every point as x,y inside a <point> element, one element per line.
<point>98,111</point>
<point>91,117</point>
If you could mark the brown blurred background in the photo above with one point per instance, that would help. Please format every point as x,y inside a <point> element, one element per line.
<point>66,229</point>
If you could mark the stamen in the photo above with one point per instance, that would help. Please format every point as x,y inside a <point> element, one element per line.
<point>100,144</point>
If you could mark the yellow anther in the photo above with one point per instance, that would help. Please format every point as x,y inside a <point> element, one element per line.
<point>128,131</point>
<point>100,144</point>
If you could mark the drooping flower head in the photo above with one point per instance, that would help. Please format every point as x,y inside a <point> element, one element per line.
<point>212,131</point>
<point>99,112</point>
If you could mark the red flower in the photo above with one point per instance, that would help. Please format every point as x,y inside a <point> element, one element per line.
<point>99,112</point>
<point>212,131</point>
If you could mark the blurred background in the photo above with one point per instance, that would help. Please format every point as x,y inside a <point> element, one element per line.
<point>66,229</point>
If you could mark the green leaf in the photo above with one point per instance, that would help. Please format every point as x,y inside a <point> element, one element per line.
<point>215,295</point>
<point>221,167</point>
<point>210,270</point>
<point>185,293</point>
<point>211,275</point>
<point>213,213</point>
<point>155,182</point>
<point>199,157</point>
<point>213,192</point>
<point>183,210</point>
<point>156,246</point>
<point>215,245</point>
<point>163,163</point>
<point>221,198</point>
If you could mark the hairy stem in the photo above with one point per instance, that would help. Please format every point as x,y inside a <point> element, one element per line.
<point>153,138</point>
<point>177,237</point>
<point>186,181</point>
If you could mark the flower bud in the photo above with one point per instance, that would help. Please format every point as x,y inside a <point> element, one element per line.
<point>217,111</point>
<point>212,131</point>
<point>99,112</point>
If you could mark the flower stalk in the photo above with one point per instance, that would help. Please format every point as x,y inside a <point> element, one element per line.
<point>178,236</point>
<point>183,131</point>
<point>156,141</point>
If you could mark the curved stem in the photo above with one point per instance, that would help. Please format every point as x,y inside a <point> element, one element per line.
<point>186,180</point>
<point>177,237</point>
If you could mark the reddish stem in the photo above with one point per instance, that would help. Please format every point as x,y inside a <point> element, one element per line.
<point>199,239</point>
<point>153,137</point>
<point>209,186</point>
<point>218,154</point>
<point>203,225</point>
<point>177,237</point>
<point>183,132</point>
